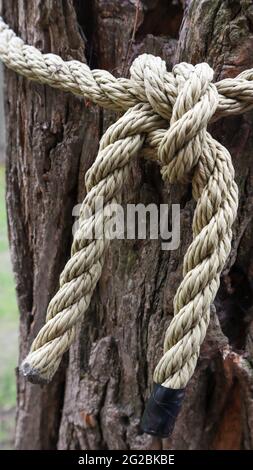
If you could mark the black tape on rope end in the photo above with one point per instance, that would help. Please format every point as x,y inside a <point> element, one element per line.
<point>161,411</point>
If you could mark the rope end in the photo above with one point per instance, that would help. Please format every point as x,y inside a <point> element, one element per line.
<point>161,411</point>
<point>32,374</point>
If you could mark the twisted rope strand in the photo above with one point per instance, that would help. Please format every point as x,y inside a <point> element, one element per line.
<point>119,94</point>
<point>166,118</point>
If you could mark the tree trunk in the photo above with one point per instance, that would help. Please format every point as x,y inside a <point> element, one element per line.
<point>96,399</point>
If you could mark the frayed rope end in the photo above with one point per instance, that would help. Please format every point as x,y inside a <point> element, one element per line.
<point>32,374</point>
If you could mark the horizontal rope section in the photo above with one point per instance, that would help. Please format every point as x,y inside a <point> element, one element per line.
<point>165,116</point>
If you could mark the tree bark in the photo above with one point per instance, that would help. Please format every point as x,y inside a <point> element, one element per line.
<point>96,399</point>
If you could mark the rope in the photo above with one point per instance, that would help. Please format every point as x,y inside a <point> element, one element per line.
<point>166,117</point>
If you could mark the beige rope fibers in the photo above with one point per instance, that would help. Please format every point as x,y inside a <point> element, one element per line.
<point>168,114</point>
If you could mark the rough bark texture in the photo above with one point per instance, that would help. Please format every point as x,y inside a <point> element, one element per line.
<point>96,399</point>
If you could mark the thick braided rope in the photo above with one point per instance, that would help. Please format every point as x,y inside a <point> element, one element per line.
<point>119,94</point>
<point>187,100</point>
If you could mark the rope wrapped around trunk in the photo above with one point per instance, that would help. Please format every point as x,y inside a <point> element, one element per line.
<point>166,115</point>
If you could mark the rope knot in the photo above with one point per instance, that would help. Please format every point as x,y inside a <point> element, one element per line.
<point>187,99</point>
<point>196,102</point>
